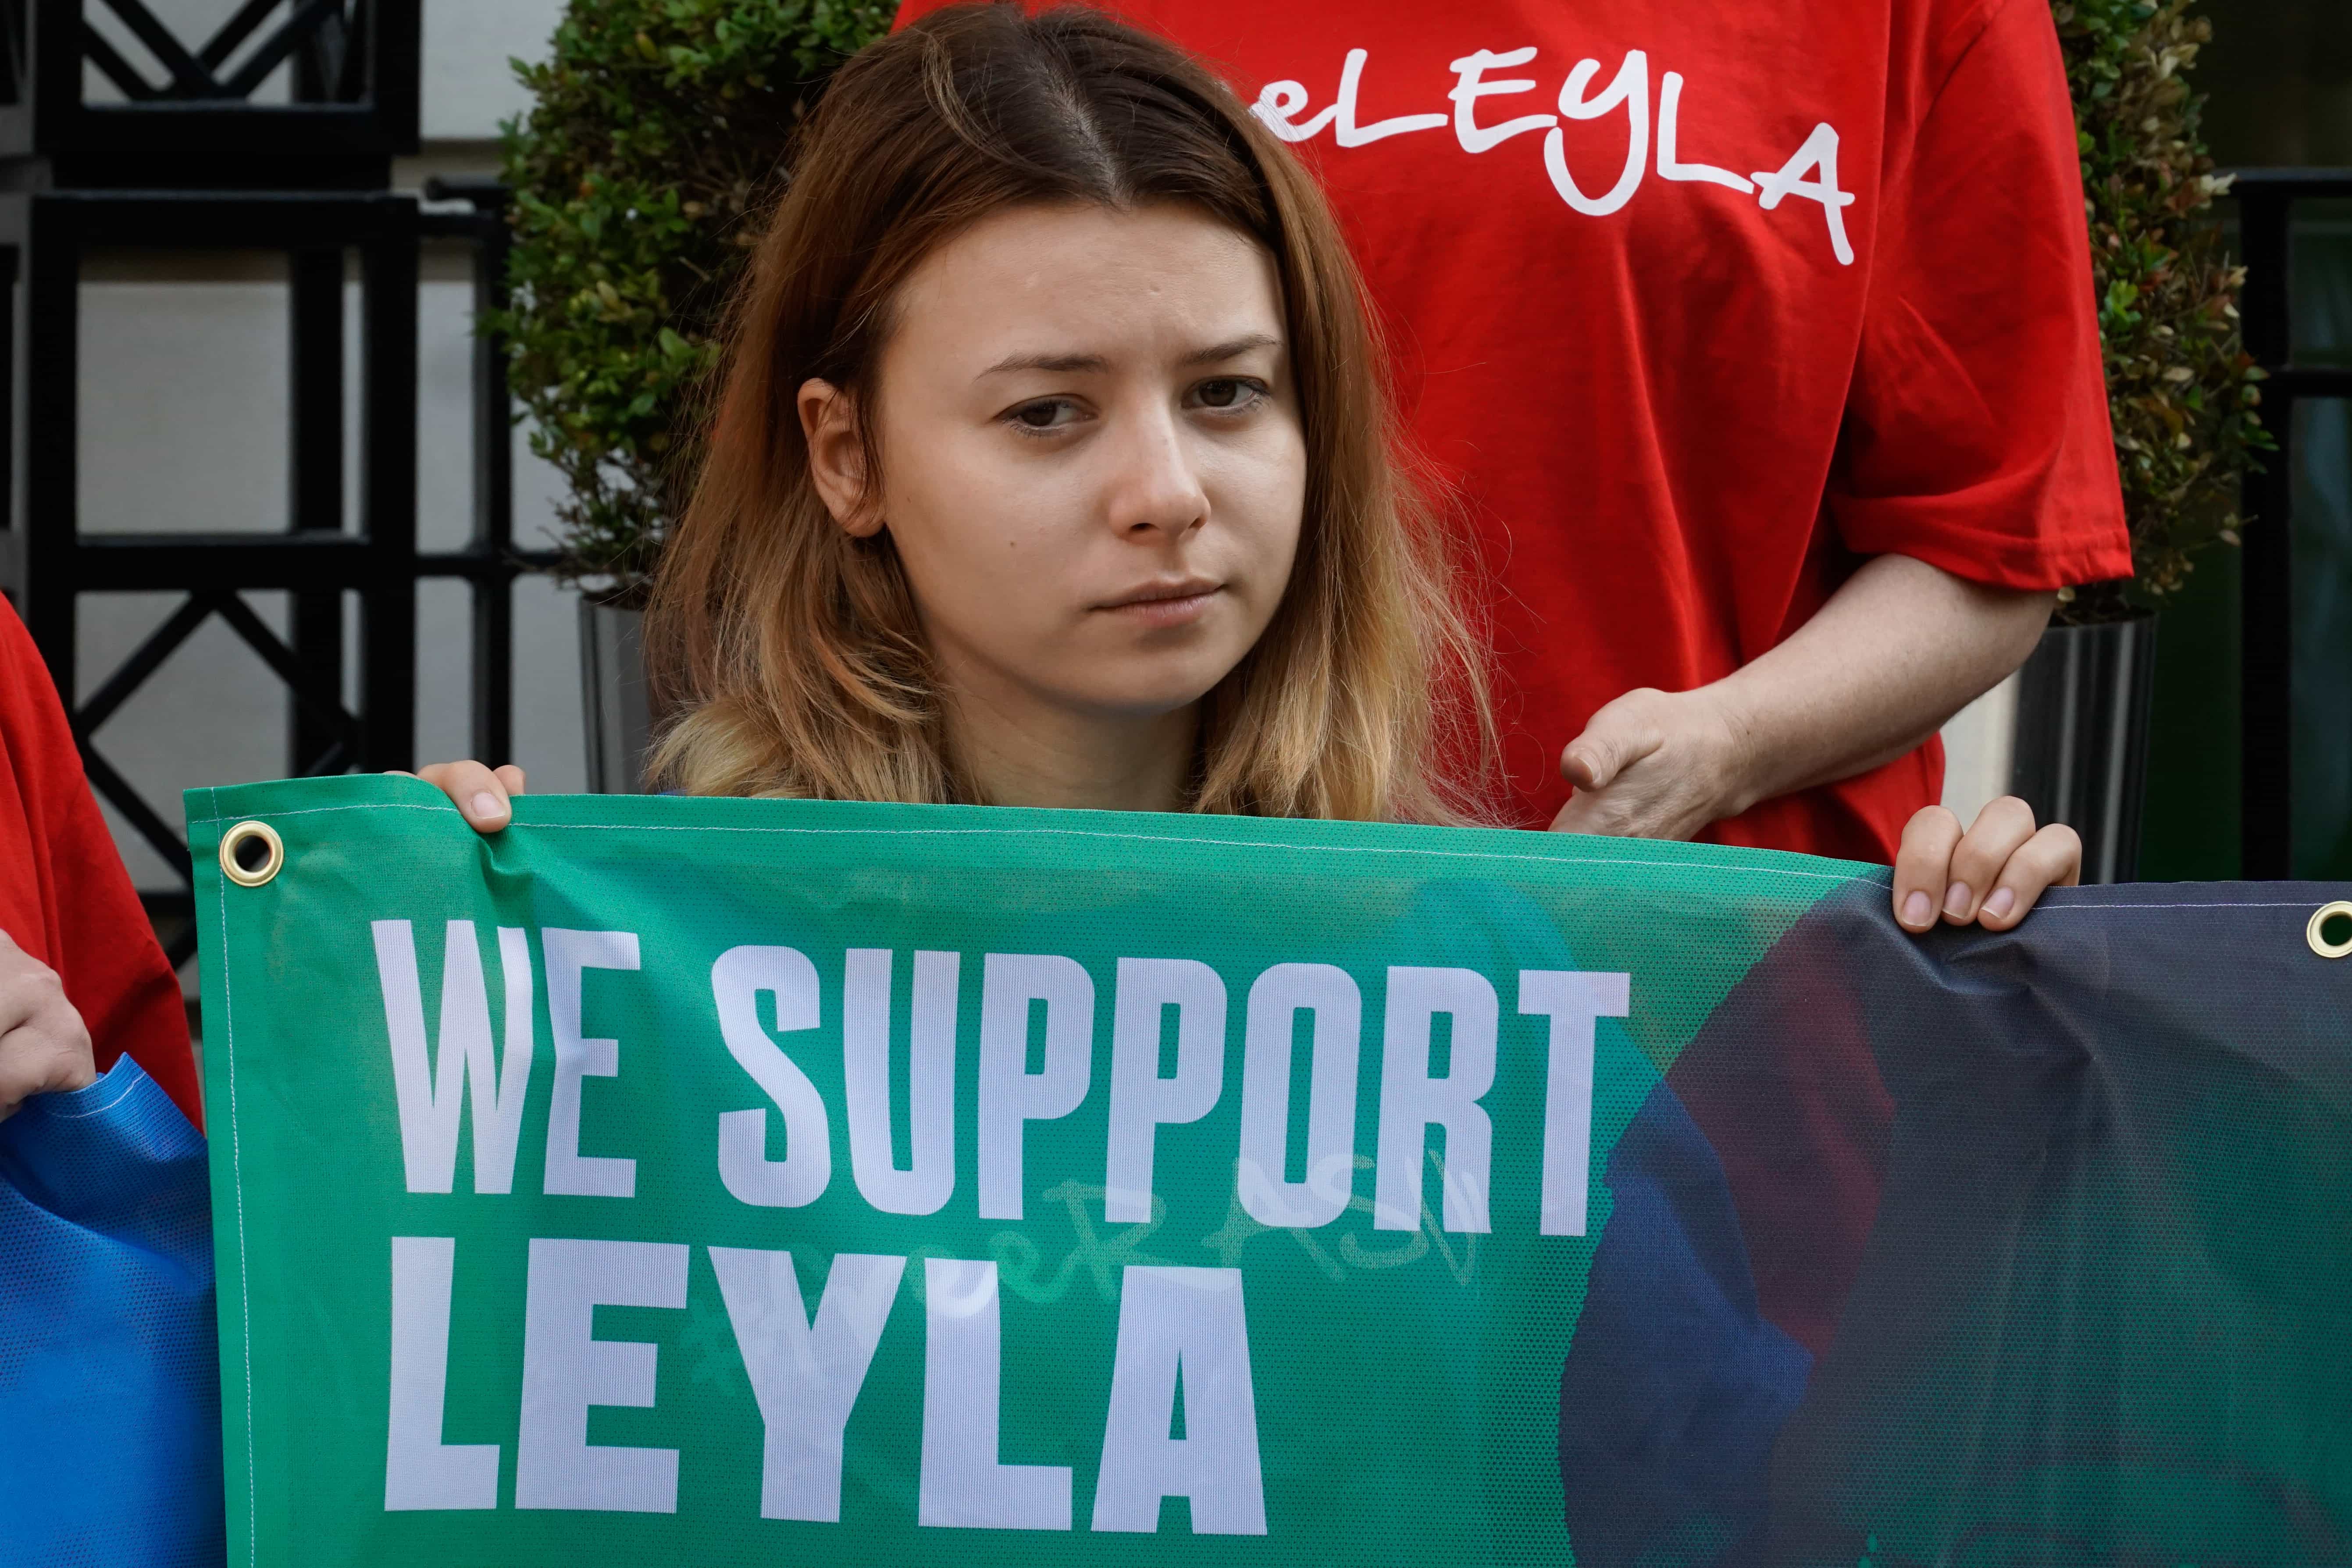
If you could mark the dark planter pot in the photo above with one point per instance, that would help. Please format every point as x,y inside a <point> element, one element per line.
<point>619,717</point>
<point>2082,738</point>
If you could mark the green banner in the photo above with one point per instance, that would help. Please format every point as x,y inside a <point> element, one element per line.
<point>672,1180</point>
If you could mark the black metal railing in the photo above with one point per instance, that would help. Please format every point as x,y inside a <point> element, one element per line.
<point>317,561</point>
<point>2268,200</point>
<point>354,66</point>
<point>188,161</point>
<point>490,561</point>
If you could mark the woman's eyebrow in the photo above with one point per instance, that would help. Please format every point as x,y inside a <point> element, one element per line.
<point>1065,365</point>
<point>1056,364</point>
<point>1232,348</point>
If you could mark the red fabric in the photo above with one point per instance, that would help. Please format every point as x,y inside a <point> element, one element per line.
<point>64,895</point>
<point>1677,425</point>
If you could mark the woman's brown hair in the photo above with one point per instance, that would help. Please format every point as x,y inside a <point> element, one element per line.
<point>791,653</point>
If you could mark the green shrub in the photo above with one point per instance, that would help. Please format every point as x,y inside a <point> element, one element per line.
<point>2182,389</point>
<point>656,128</point>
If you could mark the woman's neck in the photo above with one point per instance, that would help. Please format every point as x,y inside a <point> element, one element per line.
<point>1026,753</point>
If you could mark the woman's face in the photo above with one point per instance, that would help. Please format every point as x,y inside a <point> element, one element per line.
<point>1092,461</point>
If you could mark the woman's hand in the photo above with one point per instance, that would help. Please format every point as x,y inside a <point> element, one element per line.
<point>1990,875</point>
<point>1654,764</point>
<point>482,794</point>
<point>44,1045</point>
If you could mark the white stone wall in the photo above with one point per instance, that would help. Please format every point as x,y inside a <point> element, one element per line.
<point>183,403</point>
<point>467,87</point>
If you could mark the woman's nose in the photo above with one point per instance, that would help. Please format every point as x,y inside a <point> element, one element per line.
<point>1156,489</point>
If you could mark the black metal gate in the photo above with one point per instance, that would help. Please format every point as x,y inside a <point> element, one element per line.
<point>189,162</point>
<point>2268,201</point>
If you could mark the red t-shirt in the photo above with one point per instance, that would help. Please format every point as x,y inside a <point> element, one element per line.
<point>64,895</point>
<point>1698,305</point>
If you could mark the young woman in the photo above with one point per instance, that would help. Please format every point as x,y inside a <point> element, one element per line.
<point>1053,466</point>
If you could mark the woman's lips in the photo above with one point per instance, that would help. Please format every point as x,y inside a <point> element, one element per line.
<point>1175,605</point>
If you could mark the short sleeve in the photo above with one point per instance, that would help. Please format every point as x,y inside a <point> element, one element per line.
<point>65,897</point>
<point>1977,436</point>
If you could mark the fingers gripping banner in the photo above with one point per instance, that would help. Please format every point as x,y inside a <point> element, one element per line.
<point>670,1181</point>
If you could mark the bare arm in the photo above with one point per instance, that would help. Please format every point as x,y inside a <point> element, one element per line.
<point>1889,659</point>
<point>1895,652</point>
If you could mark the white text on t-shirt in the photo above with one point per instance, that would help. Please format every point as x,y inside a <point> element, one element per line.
<point>1811,173</point>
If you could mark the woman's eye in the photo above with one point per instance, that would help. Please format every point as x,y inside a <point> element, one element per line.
<point>1228,393</point>
<point>1045,414</point>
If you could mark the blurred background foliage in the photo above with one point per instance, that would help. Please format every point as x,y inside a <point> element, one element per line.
<point>2183,392</point>
<point>657,128</point>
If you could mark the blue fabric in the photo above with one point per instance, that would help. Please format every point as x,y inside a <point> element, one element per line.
<point>110,1376</point>
<point>1675,1386</point>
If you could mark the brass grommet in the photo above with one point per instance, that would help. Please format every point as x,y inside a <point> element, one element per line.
<point>2320,917</point>
<point>237,839</point>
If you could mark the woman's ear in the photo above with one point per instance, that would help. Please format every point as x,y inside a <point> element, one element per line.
<point>836,452</point>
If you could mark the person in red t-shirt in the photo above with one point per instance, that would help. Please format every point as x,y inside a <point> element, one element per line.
<point>82,982</point>
<point>1759,343</point>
